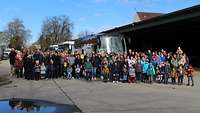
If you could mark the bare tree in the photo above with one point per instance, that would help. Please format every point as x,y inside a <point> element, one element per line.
<point>16,34</point>
<point>43,42</point>
<point>56,29</point>
<point>84,34</point>
<point>2,39</point>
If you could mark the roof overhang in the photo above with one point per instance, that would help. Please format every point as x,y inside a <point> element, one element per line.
<point>121,29</point>
<point>67,42</point>
<point>191,13</point>
<point>184,14</point>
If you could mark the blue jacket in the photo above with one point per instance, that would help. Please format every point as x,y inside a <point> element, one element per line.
<point>151,70</point>
<point>162,58</point>
<point>145,67</point>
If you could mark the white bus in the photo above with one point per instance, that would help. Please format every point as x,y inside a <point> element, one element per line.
<point>102,42</point>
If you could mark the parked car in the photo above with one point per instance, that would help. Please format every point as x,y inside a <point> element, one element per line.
<point>1,53</point>
<point>6,53</point>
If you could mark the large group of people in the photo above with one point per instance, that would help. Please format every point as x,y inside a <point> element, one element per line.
<point>131,67</point>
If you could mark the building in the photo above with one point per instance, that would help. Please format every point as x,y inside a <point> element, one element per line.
<point>168,31</point>
<point>141,16</point>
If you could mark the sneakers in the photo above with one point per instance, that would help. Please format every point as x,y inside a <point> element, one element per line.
<point>191,85</point>
<point>115,81</point>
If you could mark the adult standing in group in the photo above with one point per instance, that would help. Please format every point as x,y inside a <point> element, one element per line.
<point>19,64</point>
<point>12,61</point>
<point>56,60</point>
<point>138,70</point>
<point>28,67</point>
<point>37,56</point>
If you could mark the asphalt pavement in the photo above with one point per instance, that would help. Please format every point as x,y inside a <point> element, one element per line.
<point>99,97</point>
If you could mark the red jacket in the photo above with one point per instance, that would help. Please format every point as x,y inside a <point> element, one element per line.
<point>190,71</point>
<point>18,61</point>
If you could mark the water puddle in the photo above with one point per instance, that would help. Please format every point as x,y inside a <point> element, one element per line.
<point>15,105</point>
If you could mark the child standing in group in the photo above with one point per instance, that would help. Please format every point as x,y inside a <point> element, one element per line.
<point>37,70</point>
<point>105,72</point>
<point>65,70</point>
<point>174,75</point>
<point>138,70</point>
<point>19,65</point>
<point>158,74</point>
<point>88,69</point>
<point>162,72</point>
<point>51,69</point>
<point>43,70</point>
<point>167,72</point>
<point>190,72</point>
<point>150,72</point>
<point>77,71</point>
<point>144,71</point>
<point>69,72</point>
<point>132,75</point>
<point>181,72</point>
<point>125,73</point>
<point>115,72</point>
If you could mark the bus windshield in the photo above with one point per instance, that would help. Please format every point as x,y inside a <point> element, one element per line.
<point>112,44</point>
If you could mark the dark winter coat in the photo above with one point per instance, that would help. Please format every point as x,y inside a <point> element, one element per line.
<point>12,57</point>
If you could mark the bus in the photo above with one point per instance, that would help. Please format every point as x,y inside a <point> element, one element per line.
<point>63,46</point>
<point>67,45</point>
<point>101,43</point>
<point>53,47</point>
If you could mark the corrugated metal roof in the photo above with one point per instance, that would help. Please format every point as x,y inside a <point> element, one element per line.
<point>147,15</point>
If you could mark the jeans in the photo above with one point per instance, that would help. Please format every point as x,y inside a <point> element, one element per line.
<point>94,71</point>
<point>12,70</point>
<point>88,75</point>
<point>51,74</point>
<point>138,76</point>
<point>150,79</point>
<point>77,75</point>
<point>180,79</point>
<point>125,77</point>
<point>190,78</point>
<point>69,75</point>
<point>166,77</point>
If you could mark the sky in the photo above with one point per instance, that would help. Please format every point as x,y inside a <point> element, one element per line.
<point>91,15</point>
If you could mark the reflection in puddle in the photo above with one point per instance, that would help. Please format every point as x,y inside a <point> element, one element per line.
<point>28,106</point>
<point>34,106</point>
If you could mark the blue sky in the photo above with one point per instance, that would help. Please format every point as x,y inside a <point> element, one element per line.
<point>91,15</point>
